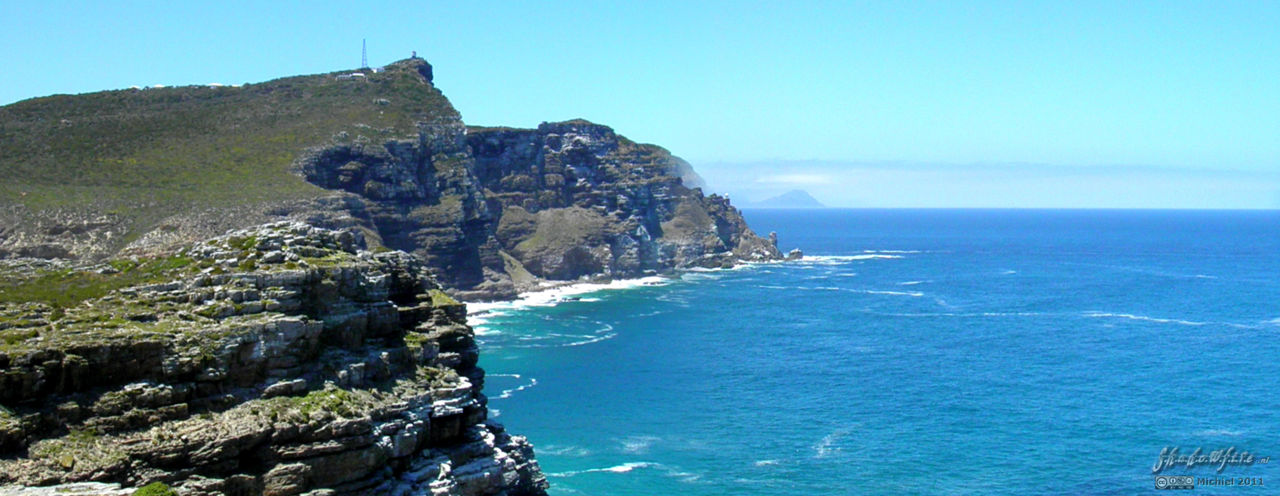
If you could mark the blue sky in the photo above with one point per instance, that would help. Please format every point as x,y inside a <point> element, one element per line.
<point>1016,104</point>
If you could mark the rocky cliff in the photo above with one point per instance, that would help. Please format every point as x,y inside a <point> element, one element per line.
<point>278,360</point>
<point>497,211</point>
<point>492,211</point>
<point>319,354</point>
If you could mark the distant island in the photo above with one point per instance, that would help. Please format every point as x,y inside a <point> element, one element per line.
<point>791,199</point>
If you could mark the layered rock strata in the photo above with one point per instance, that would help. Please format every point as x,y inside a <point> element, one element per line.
<point>278,360</point>
<point>498,210</point>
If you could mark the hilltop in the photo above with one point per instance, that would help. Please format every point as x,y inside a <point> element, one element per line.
<point>137,156</point>
<point>492,210</point>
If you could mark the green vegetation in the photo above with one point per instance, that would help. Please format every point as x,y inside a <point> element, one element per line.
<point>331,259</point>
<point>441,299</point>
<point>449,209</point>
<point>144,155</point>
<point>436,377</point>
<point>10,337</point>
<point>415,339</point>
<point>83,450</point>
<point>341,402</point>
<point>155,489</point>
<point>243,244</point>
<point>67,287</point>
<point>82,436</point>
<point>690,221</point>
<point>329,401</point>
<point>573,226</point>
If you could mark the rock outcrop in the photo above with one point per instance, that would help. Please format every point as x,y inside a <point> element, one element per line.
<point>498,210</point>
<point>493,211</point>
<point>278,360</point>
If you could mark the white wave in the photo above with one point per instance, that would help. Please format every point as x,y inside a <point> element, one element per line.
<point>700,270</point>
<point>1204,276</point>
<point>683,476</point>
<point>616,469</point>
<point>485,331</point>
<point>912,283</point>
<point>834,259</point>
<point>826,446</point>
<point>668,471</point>
<point>701,275</point>
<point>765,463</point>
<point>581,340</point>
<point>966,314</point>
<point>1012,314</point>
<point>739,265</point>
<point>557,450</point>
<point>494,412</point>
<point>1158,320</point>
<point>1009,272</point>
<point>638,444</point>
<point>557,294</point>
<point>891,251</point>
<point>649,314</point>
<point>915,294</point>
<point>588,341</point>
<point>1143,318</point>
<point>487,308</point>
<point>513,376</point>
<point>674,298</point>
<point>479,319</point>
<point>1217,432</point>
<point>507,393</point>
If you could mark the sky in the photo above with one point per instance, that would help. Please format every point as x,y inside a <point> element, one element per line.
<point>1128,104</point>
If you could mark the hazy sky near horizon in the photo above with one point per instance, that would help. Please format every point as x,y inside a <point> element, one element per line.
<point>1146,104</point>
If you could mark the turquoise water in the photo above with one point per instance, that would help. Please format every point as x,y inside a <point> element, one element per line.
<point>917,352</point>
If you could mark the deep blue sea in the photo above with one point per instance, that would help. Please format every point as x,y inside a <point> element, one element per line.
<point>914,352</point>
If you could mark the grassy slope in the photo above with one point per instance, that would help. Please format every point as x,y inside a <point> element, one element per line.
<point>146,154</point>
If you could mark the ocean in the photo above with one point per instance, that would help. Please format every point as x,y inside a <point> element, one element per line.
<point>913,352</point>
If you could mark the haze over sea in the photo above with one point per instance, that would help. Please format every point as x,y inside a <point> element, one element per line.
<point>912,352</point>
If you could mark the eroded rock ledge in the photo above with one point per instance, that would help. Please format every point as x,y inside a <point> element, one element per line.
<point>276,360</point>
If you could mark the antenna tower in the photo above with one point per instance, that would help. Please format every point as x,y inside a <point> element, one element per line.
<point>364,54</point>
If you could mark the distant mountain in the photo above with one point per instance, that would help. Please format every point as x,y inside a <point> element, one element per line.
<point>791,199</point>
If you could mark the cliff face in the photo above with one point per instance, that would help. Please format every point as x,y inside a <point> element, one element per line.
<point>284,359</point>
<point>492,211</point>
<point>498,210</point>
<point>279,360</point>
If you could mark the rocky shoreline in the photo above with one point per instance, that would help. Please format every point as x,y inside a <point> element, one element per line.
<point>278,360</point>
<point>281,314</point>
